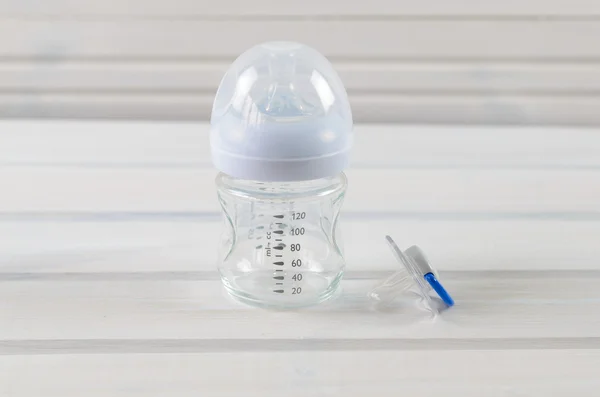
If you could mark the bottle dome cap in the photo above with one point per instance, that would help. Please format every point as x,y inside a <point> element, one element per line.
<point>281,113</point>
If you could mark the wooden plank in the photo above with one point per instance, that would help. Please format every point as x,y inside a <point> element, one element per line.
<point>35,189</point>
<point>566,110</point>
<point>272,374</point>
<point>114,144</point>
<point>65,39</point>
<point>175,107</point>
<point>260,8</point>
<point>489,306</point>
<point>109,246</point>
<point>196,76</point>
<point>103,143</point>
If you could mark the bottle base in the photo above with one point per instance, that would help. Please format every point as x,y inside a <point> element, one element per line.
<point>283,302</point>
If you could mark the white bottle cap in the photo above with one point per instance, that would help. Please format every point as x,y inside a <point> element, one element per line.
<point>281,114</point>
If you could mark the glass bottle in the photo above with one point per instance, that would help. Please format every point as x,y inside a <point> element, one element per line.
<point>281,131</point>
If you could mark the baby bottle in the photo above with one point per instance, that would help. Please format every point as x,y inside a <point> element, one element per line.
<point>281,132</point>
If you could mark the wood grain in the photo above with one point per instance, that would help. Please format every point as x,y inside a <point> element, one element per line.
<point>491,305</point>
<point>64,39</point>
<point>145,144</point>
<point>108,287</point>
<point>471,62</point>
<point>468,373</point>
<point>199,76</point>
<point>542,110</point>
<point>35,189</point>
<point>309,8</point>
<point>68,247</point>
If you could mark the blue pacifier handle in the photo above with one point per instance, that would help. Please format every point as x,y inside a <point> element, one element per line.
<point>439,289</point>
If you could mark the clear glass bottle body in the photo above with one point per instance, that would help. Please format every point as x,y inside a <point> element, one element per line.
<point>281,244</point>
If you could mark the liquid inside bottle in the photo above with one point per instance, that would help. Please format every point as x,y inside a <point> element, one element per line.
<point>281,244</point>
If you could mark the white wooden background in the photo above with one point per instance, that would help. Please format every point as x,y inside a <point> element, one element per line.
<point>427,61</point>
<point>108,284</point>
